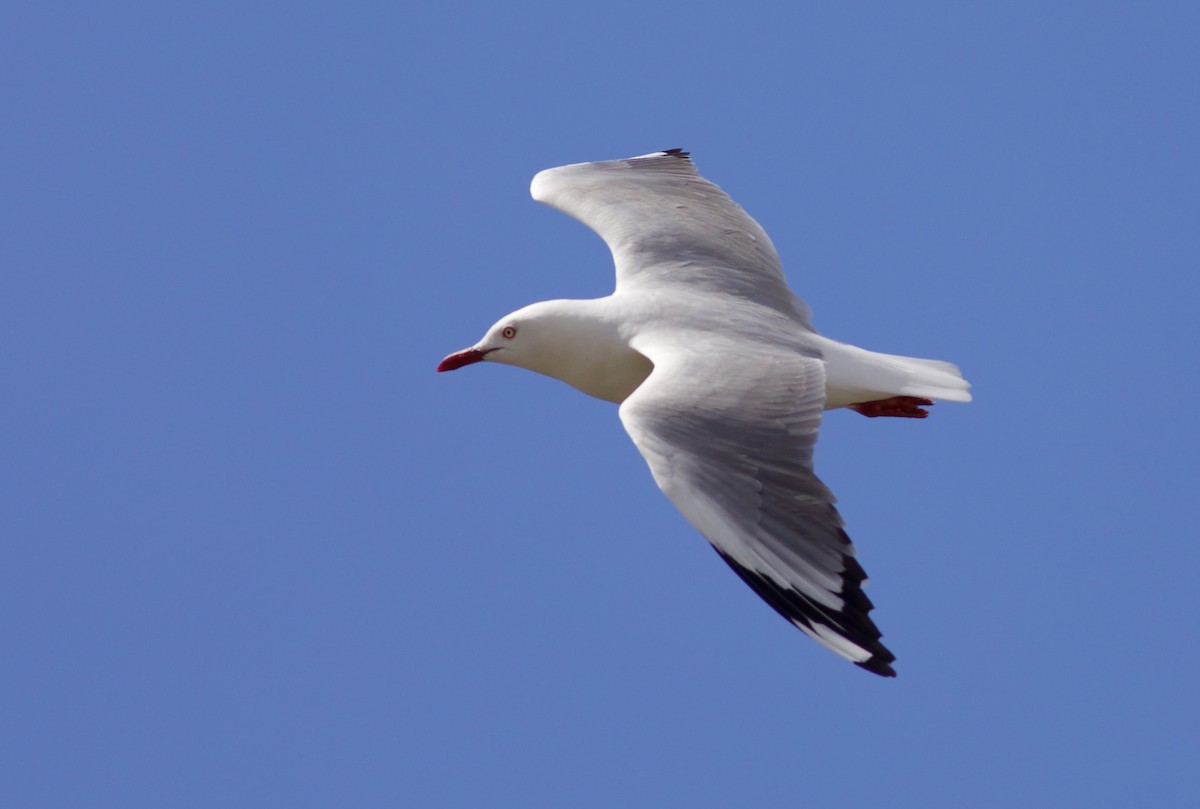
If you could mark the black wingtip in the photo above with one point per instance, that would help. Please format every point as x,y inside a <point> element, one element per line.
<point>680,153</point>
<point>879,664</point>
<point>852,623</point>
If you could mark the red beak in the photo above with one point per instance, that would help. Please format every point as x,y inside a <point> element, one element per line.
<point>461,358</point>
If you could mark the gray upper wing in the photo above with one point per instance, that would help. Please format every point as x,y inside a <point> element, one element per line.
<point>730,441</point>
<point>665,224</point>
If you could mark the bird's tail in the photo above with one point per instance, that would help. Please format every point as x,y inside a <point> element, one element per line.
<point>854,374</point>
<point>932,379</point>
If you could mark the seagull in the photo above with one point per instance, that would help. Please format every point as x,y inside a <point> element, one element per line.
<point>721,380</point>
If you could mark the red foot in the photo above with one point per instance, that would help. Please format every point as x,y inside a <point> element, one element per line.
<point>905,407</point>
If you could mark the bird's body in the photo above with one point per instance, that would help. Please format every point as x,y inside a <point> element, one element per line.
<point>594,346</point>
<point>721,380</point>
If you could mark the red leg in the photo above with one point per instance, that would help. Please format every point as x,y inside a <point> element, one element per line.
<point>905,407</point>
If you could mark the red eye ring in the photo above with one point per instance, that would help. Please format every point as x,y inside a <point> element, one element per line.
<point>508,332</point>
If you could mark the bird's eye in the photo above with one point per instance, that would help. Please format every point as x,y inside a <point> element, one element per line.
<point>508,332</point>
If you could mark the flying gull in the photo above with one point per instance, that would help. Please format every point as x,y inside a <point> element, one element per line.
<point>721,381</point>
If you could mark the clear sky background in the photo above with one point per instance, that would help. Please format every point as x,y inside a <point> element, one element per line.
<point>257,553</point>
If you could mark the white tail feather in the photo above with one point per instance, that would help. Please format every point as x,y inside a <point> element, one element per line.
<point>854,375</point>
<point>933,379</point>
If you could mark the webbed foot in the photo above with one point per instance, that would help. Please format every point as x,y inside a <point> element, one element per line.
<point>905,407</point>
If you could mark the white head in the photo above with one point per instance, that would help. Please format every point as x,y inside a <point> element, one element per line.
<point>573,341</point>
<point>525,338</point>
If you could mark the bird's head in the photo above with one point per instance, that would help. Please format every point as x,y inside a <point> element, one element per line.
<point>528,338</point>
<point>572,341</point>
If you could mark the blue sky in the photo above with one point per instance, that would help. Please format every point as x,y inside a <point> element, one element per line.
<point>259,554</point>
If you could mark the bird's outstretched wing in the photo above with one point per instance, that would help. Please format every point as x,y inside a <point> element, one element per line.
<point>666,224</point>
<point>730,440</point>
